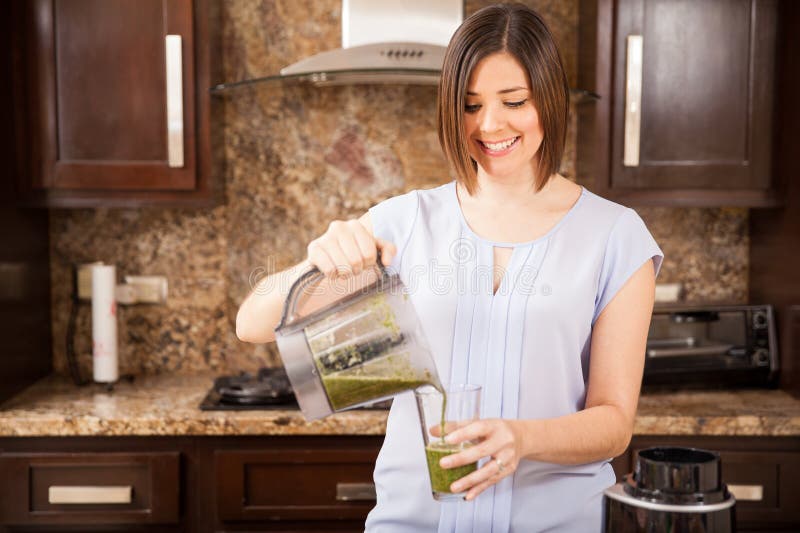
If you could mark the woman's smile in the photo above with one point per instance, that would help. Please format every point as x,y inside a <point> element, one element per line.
<point>498,148</point>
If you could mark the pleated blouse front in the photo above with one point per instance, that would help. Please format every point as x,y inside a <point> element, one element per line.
<point>527,345</point>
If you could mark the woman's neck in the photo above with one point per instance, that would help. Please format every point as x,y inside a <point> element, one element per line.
<point>507,192</point>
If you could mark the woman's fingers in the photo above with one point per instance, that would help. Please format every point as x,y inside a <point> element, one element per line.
<point>364,244</point>
<point>318,256</point>
<point>468,455</point>
<point>346,249</point>
<point>388,251</point>
<point>478,481</point>
<point>497,440</point>
<point>436,431</point>
<point>354,261</point>
<point>471,432</point>
<point>339,259</point>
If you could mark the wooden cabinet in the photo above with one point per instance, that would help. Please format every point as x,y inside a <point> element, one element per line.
<point>115,102</point>
<point>101,488</point>
<point>774,257</point>
<point>187,484</point>
<point>143,484</point>
<point>685,115</point>
<point>763,473</point>
<point>292,483</point>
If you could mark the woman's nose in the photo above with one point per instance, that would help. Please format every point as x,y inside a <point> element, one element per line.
<point>491,119</point>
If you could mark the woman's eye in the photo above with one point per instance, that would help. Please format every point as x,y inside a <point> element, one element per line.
<point>471,108</point>
<point>516,104</point>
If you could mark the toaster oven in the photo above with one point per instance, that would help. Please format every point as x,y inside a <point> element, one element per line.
<point>711,346</point>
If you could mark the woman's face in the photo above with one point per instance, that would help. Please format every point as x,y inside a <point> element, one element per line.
<point>500,121</point>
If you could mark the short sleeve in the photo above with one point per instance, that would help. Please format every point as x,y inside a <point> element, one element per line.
<point>393,220</point>
<point>629,246</point>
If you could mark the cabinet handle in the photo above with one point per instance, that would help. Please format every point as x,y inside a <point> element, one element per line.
<point>346,492</point>
<point>174,62</point>
<point>86,494</point>
<point>750,493</point>
<point>633,101</point>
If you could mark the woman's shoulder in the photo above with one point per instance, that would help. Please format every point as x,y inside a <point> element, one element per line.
<point>414,199</point>
<point>602,213</point>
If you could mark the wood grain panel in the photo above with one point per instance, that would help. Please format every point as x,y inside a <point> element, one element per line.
<point>775,233</point>
<point>111,80</point>
<point>707,115</point>
<point>24,488</point>
<point>706,94</point>
<point>94,126</point>
<point>290,484</point>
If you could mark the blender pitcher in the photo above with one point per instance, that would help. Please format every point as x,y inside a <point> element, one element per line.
<point>365,347</point>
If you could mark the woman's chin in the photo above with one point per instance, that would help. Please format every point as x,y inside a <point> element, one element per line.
<point>503,172</point>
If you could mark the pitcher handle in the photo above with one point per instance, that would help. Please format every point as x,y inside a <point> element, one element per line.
<point>312,275</point>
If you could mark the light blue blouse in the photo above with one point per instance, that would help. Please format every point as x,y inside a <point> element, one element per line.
<point>527,345</point>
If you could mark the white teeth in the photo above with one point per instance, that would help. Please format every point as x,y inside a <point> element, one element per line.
<point>496,147</point>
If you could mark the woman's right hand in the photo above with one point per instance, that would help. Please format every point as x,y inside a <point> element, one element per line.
<point>347,248</point>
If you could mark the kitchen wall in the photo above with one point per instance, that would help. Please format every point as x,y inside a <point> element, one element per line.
<point>297,158</point>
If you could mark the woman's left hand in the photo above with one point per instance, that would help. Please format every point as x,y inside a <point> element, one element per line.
<point>496,438</point>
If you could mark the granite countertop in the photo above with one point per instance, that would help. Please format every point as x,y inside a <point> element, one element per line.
<point>167,405</point>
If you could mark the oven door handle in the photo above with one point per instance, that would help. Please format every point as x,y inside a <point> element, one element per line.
<point>713,349</point>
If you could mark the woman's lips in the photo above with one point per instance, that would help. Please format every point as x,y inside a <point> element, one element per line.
<point>500,152</point>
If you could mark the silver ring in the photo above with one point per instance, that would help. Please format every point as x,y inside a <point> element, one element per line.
<point>500,465</point>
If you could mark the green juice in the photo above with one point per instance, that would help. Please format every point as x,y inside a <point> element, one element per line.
<point>442,478</point>
<point>345,390</point>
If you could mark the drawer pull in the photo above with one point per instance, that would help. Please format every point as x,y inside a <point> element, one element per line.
<point>84,495</point>
<point>348,492</point>
<point>633,101</point>
<point>174,61</point>
<point>748,493</point>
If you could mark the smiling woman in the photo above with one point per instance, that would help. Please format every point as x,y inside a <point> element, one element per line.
<point>573,284</point>
<point>555,337</point>
<point>519,53</point>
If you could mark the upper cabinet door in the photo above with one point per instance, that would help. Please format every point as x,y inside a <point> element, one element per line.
<point>689,100</point>
<point>116,100</point>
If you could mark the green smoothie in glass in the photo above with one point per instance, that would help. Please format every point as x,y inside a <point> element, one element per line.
<point>441,412</point>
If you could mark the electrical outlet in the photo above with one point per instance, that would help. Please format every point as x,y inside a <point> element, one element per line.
<point>668,292</point>
<point>148,289</point>
<point>85,280</point>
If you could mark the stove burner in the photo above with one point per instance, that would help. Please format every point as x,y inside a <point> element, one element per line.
<point>270,387</point>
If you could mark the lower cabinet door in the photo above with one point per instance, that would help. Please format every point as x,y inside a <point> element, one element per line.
<point>294,484</point>
<point>89,488</point>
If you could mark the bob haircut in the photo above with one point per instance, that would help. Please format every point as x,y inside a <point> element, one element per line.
<point>520,31</point>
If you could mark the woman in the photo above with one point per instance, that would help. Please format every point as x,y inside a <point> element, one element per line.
<point>525,283</point>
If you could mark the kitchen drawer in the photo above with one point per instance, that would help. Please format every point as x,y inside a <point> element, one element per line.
<point>765,479</point>
<point>293,483</point>
<point>766,485</point>
<point>89,488</point>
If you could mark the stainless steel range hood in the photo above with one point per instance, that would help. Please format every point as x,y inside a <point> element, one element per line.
<point>383,41</point>
<point>386,41</point>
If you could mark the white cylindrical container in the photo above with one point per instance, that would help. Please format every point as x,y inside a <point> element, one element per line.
<point>104,324</point>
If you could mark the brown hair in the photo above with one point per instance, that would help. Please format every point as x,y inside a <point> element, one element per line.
<point>520,31</point>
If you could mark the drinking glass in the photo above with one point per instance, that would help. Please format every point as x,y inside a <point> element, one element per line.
<point>459,406</point>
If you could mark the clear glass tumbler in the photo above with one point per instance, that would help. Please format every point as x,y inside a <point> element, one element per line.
<point>460,406</point>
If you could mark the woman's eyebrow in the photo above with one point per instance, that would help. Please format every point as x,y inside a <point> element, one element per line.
<point>503,91</point>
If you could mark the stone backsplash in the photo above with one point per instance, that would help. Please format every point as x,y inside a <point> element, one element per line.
<point>297,158</point>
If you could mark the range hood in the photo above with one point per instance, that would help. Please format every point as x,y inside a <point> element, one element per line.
<point>383,41</point>
<point>386,41</point>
